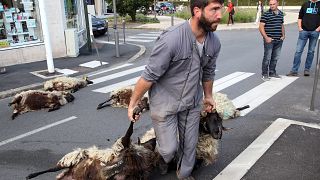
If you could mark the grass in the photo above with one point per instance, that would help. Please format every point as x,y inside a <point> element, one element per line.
<point>241,15</point>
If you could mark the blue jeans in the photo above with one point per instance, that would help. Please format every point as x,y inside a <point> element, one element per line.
<point>271,56</point>
<point>302,40</point>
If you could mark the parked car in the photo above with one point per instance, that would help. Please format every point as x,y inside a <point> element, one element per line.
<point>99,26</point>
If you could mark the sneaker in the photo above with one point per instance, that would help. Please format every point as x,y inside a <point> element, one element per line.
<point>265,77</point>
<point>306,73</point>
<point>292,73</point>
<point>275,75</point>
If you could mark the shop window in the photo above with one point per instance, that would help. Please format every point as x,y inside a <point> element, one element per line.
<point>19,23</point>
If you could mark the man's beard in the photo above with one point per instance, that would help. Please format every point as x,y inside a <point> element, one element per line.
<point>206,25</point>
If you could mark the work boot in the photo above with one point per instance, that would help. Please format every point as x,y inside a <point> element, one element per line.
<point>163,166</point>
<point>292,73</point>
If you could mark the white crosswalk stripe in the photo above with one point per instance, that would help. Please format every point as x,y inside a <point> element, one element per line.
<point>143,37</point>
<point>254,97</point>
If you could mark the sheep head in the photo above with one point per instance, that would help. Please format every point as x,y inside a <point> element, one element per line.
<point>212,124</point>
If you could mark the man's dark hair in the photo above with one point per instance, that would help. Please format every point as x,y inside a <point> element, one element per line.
<point>202,4</point>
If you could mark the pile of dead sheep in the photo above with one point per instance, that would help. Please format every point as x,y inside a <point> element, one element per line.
<point>56,93</point>
<point>127,160</point>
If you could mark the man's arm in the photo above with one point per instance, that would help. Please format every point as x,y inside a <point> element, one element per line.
<point>208,101</point>
<point>283,33</point>
<point>300,24</point>
<point>263,33</point>
<point>140,89</point>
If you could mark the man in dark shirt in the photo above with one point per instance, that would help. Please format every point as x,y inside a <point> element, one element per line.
<point>272,30</point>
<point>309,27</point>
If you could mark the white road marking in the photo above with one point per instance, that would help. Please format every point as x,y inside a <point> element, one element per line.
<point>104,71</point>
<point>262,93</point>
<point>66,71</point>
<point>139,40</point>
<point>116,75</point>
<point>116,86</point>
<point>37,130</point>
<point>229,80</point>
<point>93,64</point>
<point>142,37</point>
<point>244,161</point>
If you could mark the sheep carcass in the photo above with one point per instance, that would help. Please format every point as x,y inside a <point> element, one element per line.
<point>121,98</point>
<point>33,100</point>
<point>66,83</point>
<point>123,161</point>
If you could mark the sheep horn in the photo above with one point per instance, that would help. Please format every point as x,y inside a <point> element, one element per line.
<point>126,139</point>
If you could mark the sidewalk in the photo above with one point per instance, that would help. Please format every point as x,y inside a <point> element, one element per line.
<point>18,78</point>
<point>22,77</point>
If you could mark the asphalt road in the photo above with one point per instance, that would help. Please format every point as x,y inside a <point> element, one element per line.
<point>37,140</point>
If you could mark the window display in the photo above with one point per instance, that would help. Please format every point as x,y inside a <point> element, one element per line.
<point>18,23</point>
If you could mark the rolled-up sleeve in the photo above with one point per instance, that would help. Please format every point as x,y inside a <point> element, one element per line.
<point>210,68</point>
<point>159,61</point>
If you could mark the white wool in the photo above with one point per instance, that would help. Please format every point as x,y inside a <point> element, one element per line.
<point>148,135</point>
<point>225,107</point>
<point>66,82</point>
<point>207,149</point>
<point>73,158</point>
<point>104,155</point>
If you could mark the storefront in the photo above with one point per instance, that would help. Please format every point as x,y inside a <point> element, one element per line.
<point>21,37</point>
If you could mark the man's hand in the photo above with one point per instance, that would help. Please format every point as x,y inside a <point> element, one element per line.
<point>268,39</point>
<point>318,29</point>
<point>133,117</point>
<point>300,29</point>
<point>209,104</point>
<point>282,38</point>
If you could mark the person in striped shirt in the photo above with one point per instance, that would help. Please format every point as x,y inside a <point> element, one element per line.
<point>272,30</point>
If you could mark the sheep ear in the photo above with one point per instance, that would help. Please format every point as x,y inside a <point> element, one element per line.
<point>84,77</point>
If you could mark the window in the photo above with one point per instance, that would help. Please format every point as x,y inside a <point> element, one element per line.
<point>19,23</point>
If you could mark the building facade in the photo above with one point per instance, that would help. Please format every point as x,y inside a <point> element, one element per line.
<point>21,37</point>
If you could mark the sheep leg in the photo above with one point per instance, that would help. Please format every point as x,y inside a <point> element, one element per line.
<point>55,107</point>
<point>15,101</point>
<point>102,105</point>
<point>14,115</point>
<point>55,169</point>
<point>242,108</point>
<point>75,89</point>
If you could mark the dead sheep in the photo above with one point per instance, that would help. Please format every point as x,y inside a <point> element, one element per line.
<point>121,98</point>
<point>64,83</point>
<point>33,100</point>
<point>124,160</point>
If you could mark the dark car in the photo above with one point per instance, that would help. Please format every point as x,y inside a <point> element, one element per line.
<point>99,26</point>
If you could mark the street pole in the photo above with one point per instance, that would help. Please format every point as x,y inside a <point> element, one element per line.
<point>116,36</point>
<point>87,26</point>
<point>154,9</point>
<point>172,23</point>
<point>316,77</point>
<point>46,36</point>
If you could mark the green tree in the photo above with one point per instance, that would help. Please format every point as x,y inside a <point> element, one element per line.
<point>130,7</point>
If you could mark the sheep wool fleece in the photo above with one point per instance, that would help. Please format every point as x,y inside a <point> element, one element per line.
<point>177,70</point>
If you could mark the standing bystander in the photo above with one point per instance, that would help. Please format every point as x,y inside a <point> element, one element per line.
<point>231,12</point>
<point>179,73</point>
<point>272,30</point>
<point>309,28</point>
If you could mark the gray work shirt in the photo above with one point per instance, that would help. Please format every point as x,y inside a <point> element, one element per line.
<point>176,70</point>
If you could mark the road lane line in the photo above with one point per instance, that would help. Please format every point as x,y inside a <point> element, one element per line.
<point>247,158</point>
<point>116,75</point>
<point>262,93</point>
<point>143,37</point>
<point>108,70</point>
<point>37,130</point>
<point>116,86</point>
<point>229,80</point>
<point>139,40</point>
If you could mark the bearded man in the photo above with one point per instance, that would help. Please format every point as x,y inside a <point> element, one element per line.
<point>180,70</point>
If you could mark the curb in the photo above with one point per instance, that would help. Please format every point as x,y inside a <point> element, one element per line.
<point>12,92</point>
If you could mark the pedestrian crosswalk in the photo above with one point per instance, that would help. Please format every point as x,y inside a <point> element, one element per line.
<point>253,97</point>
<point>143,37</point>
